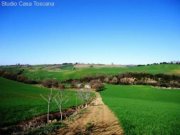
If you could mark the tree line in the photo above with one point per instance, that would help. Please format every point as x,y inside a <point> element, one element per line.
<point>96,82</point>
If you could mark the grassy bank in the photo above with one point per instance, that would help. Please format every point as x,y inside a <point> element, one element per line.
<point>144,109</point>
<point>20,101</point>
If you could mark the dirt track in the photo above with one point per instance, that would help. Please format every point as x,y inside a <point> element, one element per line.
<point>96,119</point>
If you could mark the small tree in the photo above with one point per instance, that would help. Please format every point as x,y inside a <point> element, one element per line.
<point>84,95</point>
<point>60,100</point>
<point>48,100</point>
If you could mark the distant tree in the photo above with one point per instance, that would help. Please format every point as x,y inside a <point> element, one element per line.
<point>74,83</point>
<point>114,80</point>
<point>106,80</point>
<point>55,83</point>
<point>47,83</point>
<point>61,86</point>
<point>9,75</point>
<point>21,78</point>
<point>1,72</point>
<point>50,83</point>
<point>97,85</point>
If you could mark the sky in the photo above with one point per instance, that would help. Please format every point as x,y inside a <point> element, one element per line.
<point>91,31</point>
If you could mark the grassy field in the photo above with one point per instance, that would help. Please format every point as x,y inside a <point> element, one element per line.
<point>20,101</point>
<point>40,73</point>
<point>144,110</point>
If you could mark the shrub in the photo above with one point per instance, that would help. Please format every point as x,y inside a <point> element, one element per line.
<point>55,83</point>
<point>1,72</point>
<point>21,78</point>
<point>97,85</point>
<point>47,83</point>
<point>74,83</point>
<point>114,80</point>
<point>106,80</point>
<point>61,86</point>
<point>50,83</point>
<point>9,75</point>
<point>127,80</point>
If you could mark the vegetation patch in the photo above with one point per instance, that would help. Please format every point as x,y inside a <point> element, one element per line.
<point>47,129</point>
<point>44,72</point>
<point>144,109</point>
<point>20,102</point>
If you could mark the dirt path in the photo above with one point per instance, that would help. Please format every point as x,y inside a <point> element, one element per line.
<point>96,119</point>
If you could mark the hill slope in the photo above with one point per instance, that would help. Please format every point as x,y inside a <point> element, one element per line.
<point>144,109</point>
<point>59,74</point>
<point>20,101</point>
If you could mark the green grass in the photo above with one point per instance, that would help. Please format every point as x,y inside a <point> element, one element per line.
<point>59,74</point>
<point>144,110</point>
<point>67,67</point>
<point>20,101</point>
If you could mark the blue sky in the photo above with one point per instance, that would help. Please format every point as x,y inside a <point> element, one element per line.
<point>91,31</point>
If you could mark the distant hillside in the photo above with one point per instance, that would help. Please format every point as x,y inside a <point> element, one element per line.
<point>59,72</point>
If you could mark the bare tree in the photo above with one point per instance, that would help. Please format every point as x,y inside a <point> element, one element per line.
<point>48,99</point>
<point>84,95</point>
<point>61,99</point>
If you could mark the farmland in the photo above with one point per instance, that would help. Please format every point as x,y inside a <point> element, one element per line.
<point>144,109</point>
<point>83,72</point>
<point>20,101</point>
<point>41,72</point>
<point>140,109</point>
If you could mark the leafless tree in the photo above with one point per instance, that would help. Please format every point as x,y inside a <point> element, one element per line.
<point>84,95</point>
<point>48,99</point>
<point>61,99</point>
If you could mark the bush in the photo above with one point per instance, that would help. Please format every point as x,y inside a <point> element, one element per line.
<point>127,80</point>
<point>114,80</point>
<point>55,83</point>
<point>61,86</point>
<point>9,75</point>
<point>1,72</point>
<point>106,80</point>
<point>21,78</point>
<point>74,83</point>
<point>97,85</point>
<point>47,83</point>
<point>50,83</point>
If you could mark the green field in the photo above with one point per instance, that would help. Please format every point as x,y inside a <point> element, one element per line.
<point>20,101</point>
<point>144,110</point>
<point>40,73</point>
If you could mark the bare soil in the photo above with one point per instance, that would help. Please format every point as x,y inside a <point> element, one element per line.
<point>96,119</point>
<point>36,122</point>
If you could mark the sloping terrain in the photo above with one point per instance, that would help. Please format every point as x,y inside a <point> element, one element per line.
<point>144,109</point>
<point>97,119</point>
<point>20,101</point>
<point>42,72</point>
